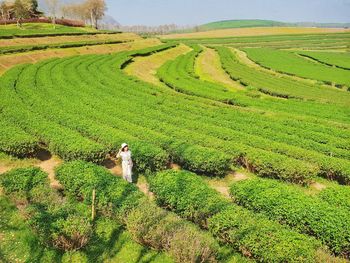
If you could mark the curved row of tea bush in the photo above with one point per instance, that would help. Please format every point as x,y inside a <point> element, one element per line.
<point>289,205</point>
<point>302,41</point>
<point>289,62</point>
<point>175,149</point>
<point>15,141</point>
<point>147,223</point>
<point>266,241</point>
<point>70,144</point>
<point>284,87</point>
<point>27,48</point>
<point>205,141</point>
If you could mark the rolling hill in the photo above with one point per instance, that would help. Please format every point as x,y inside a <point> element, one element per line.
<point>244,23</point>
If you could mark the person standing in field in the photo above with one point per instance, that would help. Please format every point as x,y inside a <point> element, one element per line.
<point>127,164</point>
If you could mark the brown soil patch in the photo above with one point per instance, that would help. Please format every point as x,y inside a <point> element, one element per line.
<point>143,187</point>
<point>4,169</point>
<point>113,166</point>
<point>224,190</point>
<point>49,166</point>
<point>239,177</point>
<point>318,186</point>
<point>175,167</point>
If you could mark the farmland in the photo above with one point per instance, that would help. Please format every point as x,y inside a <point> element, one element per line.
<point>241,146</point>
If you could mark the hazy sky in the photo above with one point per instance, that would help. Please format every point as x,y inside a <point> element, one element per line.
<point>183,12</point>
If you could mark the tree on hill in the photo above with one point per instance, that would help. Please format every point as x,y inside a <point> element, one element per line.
<point>89,10</point>
<point>19,10</point>
<point>5,10</point>
<point>22,10</point>
<point>97,10</point>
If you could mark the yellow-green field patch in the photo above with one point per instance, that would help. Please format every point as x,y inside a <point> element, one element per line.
<point>209,68</point>
<point>258,31</point>
<point>145,68</point>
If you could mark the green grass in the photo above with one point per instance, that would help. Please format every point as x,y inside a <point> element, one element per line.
<point>302,41</point>
<point>289,62</point>
<point>42,29</point>
<point>19,243</point>
<point>337,59</point>
<point>204,133</point>
<point>241,24</point>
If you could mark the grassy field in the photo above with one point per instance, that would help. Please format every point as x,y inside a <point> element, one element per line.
<point>208,68</point>
<point>340,60</point>
<point>30,29</point>
<point>289,62</point>
<point>234,160</point>
<point>259,31</point>
<point>66,39</point>
<point>146,68</point>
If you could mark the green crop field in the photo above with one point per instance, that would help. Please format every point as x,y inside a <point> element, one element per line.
<point>247,161</point>
<point>291,63</point>
<point>41,29</point>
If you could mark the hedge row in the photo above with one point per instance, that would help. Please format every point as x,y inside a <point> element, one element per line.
<point>253,235</point>
<point>148,224</point>
<point>20,49</point>
<point>15,141</point>
<point>291,206</point>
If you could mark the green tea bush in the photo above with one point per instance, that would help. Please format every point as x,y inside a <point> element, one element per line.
<point>291,206</point>
<point>160,229</point>
<point>115,198</point>
<point>22,181</point>
<point>148,157</point>
<point>336,196</point>
<point>253,235</point>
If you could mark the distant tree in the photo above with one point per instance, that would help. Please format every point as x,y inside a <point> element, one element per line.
<point>97,9</point>
<point>4,10</point>
<point>52,6</point>
<point>34,7</point>
<point>22,10</point>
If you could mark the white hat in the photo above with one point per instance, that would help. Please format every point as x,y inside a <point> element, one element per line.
<point>124,145</point>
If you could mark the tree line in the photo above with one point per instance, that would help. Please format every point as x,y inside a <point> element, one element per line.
<point>89,11</point>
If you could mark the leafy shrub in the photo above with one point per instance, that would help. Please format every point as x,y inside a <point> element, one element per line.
<point>200,159</point>
<point>149,158</point>
<point>67,226</point>
<point>159,229</point>
<point>148,224</point>
<point>113,194</point>
<point>289,205</point>
<point>259,238</point>
<point>22,181</point>
<point>336,196</point>
<point>254,235</point>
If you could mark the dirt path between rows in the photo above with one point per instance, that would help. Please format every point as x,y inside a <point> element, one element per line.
<point>223,185</point>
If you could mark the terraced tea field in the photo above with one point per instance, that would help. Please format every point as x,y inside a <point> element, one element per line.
<point>241,148</point>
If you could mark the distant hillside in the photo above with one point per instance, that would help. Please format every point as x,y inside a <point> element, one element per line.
<point>265,23</point>
<point>240,24</point>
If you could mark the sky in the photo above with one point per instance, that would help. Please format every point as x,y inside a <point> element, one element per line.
<point>196,12</point>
